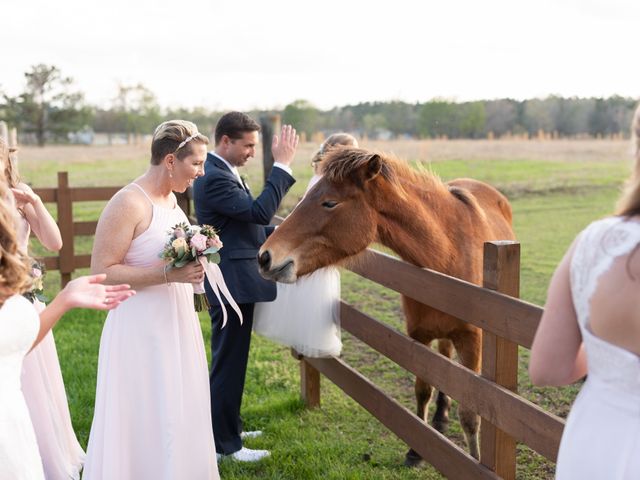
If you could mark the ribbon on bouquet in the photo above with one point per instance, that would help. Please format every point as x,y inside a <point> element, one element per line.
<point>216,280</point>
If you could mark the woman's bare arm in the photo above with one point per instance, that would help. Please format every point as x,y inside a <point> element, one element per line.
<point>42,223</point>
<point>116,229</point>
<point>557,354</point>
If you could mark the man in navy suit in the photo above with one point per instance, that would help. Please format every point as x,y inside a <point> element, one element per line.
<point>222,199</point>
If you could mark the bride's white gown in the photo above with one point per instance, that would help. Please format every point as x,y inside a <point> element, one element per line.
<point>601,439</point>
<point>19,457</point>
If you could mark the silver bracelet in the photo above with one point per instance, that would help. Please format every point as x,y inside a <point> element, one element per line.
<point>164,270</point>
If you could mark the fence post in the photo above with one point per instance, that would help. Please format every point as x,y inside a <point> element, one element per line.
<point>269,124</point>
<point>65,224</point>
<point>499,356</point>
<point>309,382</point>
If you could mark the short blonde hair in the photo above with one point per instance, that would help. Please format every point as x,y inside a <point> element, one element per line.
<point>175,136</point>
<point>629,202</point>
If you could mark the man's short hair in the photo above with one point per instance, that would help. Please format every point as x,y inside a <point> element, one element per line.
<point>234,125</point>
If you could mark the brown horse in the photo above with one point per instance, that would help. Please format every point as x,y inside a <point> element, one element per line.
<point>366,197</point>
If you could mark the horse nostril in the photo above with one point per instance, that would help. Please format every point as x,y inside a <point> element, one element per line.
<point>265,260</point>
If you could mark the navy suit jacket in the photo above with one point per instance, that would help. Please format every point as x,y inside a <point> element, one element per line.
<point>240,220</point>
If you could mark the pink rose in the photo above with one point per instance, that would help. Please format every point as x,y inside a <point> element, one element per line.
<point>178,233</point>
<point>214,242</point>
<point>36,272</point>
<point>199,241</point>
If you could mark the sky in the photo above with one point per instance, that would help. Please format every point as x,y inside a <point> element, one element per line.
<point>259,54</point>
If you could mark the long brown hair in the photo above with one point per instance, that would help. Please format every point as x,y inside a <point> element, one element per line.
<point>629,202</point>
<point>14,266</point>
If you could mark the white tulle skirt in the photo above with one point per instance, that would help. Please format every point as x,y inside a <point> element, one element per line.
<point>305,315</point>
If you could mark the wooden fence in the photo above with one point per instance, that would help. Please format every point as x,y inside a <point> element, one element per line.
<point>506,322</point>
<point>64,197</point>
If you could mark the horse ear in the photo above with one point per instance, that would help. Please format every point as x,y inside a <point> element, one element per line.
<point>373,168</point>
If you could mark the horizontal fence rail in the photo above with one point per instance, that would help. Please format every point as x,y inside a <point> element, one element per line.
<point>434,447</point>
<point>526,422</point>
<point>495,312</point>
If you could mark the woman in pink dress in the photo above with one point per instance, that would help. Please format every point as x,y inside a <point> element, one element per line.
<point>42,383</point>
<point>152,417</point>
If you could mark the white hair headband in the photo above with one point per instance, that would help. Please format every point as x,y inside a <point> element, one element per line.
<point>187,140</point>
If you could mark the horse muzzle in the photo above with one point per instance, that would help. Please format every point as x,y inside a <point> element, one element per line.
<point>284,272</point>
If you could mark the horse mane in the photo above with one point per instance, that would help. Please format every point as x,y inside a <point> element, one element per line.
<point>342,163</point>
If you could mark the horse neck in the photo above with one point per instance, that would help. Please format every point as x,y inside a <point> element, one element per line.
<point>415,224</point>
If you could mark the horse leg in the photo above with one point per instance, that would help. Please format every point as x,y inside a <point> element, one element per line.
<point>443,403</point>
<point>423,395</point>
<point>469,348</point>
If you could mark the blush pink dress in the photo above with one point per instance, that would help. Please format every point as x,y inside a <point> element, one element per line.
<point>43,388</point>
<point>152,417</point>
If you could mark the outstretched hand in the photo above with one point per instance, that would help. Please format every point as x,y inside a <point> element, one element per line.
<point>89,292</point>
<point>284,148</point>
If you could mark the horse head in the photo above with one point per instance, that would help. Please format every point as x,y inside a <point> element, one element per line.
<point>334,221</point>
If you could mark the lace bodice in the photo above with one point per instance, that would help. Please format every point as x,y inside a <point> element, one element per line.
<point>596,249</point>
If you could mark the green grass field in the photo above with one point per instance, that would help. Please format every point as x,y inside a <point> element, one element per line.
<point>556,189</point>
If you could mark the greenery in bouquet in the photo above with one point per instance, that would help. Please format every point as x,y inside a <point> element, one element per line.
<point>185,243</point>
<point>37,286</point>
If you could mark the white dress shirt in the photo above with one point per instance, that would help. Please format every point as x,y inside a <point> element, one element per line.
<point>234,169</point>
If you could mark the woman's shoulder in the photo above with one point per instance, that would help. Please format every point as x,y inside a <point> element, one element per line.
<point>16,303</point>
<point>613,236</point>
<point>128,203</point>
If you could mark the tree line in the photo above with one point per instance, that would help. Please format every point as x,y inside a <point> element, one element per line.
<point>52,109</point>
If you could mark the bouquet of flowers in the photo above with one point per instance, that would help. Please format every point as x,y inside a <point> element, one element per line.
<point>37,287</point>
<point>188,243</point>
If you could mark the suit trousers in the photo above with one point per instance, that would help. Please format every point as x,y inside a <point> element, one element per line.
<point>229,355</point>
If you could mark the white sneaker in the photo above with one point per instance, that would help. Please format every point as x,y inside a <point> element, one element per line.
<point>251,434</point>
<point>248,455</point>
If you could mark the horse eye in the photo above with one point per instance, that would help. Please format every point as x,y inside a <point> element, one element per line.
<point>329,204</point>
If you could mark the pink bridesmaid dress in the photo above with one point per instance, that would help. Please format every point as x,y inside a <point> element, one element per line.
<point>152,417</point>
<point>43,389</point>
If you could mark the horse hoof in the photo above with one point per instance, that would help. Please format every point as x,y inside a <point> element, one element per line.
<point>441,426</point>
<point>413,459</point>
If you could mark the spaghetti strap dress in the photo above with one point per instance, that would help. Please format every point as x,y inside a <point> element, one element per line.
<point>152,417</point>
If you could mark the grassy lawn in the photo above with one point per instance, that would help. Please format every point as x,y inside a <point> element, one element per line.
<point>556,189</point>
